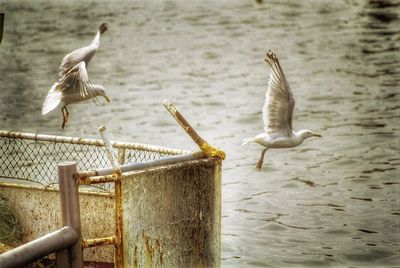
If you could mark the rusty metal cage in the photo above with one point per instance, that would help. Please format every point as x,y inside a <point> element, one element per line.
<point>34,157</point>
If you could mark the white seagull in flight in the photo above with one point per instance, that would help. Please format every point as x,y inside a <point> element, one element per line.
<point>74,84</point>
<point>278,114</point>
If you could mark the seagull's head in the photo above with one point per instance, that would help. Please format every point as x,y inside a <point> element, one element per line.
<point>100,91</point>
<point>305,133</point>
<point>103,27</point>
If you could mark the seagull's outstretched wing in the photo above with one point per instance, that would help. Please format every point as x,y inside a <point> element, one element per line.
<point>279,101</point>
<point>75,57</point>
<point>77,80</point>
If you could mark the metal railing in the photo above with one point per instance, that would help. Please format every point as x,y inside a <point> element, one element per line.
<point>69,246</point>
<point>34,157</point>
<point>66,241</point>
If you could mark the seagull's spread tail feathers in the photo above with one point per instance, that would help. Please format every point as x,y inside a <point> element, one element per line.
<point>52,100</point>
<point>246,141</point>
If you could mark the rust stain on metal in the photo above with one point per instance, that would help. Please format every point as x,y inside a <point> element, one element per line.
<point>98,179</point>
<point>119,253</point>
<point>153,252</point>
<point>96,242</point>
<point>149,251</point>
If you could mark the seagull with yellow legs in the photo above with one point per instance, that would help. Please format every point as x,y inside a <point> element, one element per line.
<point>278,114</point>
<point>74,84</point>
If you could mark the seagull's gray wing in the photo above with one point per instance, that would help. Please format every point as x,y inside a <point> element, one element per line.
<point>279,101</point>
<point>75,57</point>
<point>77,80</point>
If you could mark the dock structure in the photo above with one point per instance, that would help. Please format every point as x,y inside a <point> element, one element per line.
<point>168,201</point>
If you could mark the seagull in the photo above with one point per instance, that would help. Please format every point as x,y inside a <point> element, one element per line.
<point>278,114</point>
<point>74,84</point>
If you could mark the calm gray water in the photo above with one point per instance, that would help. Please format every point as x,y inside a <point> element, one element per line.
<point>331,202</point>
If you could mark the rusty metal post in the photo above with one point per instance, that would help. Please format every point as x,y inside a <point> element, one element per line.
<point>73,257</point>
<point>119,252</point>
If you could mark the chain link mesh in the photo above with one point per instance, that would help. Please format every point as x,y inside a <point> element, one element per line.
<point>36,161</point>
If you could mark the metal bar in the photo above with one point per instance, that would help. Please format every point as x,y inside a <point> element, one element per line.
<point>184,124</point>
<point>97,242</point>
<point>109,150</point>
<point>98,179</point>
<point>119,249</point>
<point>38,248</point>
<point>119,252</point>
<point>207,149</point>
<point>121,156</point>
<point>143,165</point>
<point>70,210</point>
<point>92,142</point>
<point>51,189</point>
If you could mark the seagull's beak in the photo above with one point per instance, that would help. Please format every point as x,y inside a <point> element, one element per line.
<point>317,134</point>
<point>107,98</point>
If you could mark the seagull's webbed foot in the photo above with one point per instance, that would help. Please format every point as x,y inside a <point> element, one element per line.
<point>261,160</point>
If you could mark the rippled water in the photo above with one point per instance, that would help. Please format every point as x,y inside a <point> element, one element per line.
<point>333,201</point>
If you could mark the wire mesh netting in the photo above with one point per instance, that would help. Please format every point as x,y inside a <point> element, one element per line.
<point>36,161</point>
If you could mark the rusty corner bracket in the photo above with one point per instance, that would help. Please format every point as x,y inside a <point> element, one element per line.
<point>205,147</point>
<point>97,242</point>
<point>97,179</point>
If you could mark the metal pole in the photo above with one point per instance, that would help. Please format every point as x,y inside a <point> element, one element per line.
<point>142,165</point>
<point>70,214</point>
<point>207,149</point>
<point>119,251</point>
<point>38,248</point>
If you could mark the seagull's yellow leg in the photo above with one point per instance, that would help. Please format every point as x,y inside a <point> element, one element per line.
<point>65,114</point>
<point>261,160</point>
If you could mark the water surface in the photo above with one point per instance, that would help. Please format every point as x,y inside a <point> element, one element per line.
<point>331,202</point>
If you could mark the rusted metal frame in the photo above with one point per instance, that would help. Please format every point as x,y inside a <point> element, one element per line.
<point>92,142</point>
<point>143,165</point>
<point>73,256</point>
<point>41,247</point>
<point>97,242</point>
